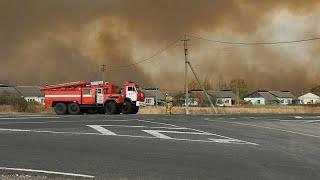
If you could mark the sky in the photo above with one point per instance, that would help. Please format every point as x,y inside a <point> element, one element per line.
<point>48,42</point>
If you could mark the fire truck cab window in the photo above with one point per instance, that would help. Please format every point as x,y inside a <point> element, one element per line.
<point>86,91</point>
<point>130,88</point>
<point>99,91</point>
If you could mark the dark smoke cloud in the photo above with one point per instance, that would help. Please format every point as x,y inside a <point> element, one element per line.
<point>43,41</point>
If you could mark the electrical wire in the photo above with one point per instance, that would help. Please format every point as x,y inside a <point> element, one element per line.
<point>255,43</point>
<point>149,58</point>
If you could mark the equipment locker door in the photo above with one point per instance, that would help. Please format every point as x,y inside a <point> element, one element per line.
<point>99,96</point>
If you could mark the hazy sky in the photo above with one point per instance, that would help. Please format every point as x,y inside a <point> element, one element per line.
<point>53,41</point>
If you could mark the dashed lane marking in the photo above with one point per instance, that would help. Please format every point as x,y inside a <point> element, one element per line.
<point>46,172</point>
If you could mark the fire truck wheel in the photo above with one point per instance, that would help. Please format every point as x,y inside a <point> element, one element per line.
<point>111,108</point>
<point>60,108</point>
<point>135,110</point>
<point>73,108</point>
<point>126,107</point>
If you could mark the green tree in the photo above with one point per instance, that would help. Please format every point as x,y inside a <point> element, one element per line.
<point>239,87</point>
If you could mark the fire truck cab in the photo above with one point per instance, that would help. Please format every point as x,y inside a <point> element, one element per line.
<point>93,97</point>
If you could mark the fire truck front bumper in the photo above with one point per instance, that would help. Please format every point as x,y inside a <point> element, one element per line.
<point>140,103</point>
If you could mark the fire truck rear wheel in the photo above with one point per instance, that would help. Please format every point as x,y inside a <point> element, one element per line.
<point>73,108</point>
<point>135,110</point>
<point>127,107</point>
<point>111,107</point>
<point>60,108</point>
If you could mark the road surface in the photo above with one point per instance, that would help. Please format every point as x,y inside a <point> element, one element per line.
<point>161,147</point>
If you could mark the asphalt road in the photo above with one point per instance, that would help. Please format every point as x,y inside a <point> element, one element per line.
<point>161,147</point>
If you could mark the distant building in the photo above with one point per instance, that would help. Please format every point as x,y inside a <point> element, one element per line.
<point>261,98</point>
<point>283,97</point>
<point>153,96</point>
<point>31,93</point>
<point>309,98</point>
<point>218,97</point>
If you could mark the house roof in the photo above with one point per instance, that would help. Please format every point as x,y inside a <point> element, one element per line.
<point>262,94</point>
<point>29,91</point>
<point>153,93</point>
<point>217,93</point>
<point>5,91</point>
<point>282,94</point>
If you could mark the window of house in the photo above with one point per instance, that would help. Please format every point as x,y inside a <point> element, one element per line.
<point>258,101</point>
<point>148,101</point>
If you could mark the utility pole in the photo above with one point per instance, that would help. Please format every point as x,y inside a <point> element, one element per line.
<point>202,87</point>
<point>185,46</point>
<point>103,68</point>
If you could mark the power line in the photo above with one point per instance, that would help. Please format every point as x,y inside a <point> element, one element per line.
<point>149,58</point>
<point>255,43</point>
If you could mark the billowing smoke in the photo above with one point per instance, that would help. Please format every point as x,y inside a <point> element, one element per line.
<point>58,41</point>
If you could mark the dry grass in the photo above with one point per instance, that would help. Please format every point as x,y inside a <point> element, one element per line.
<point>236,110</point>
<point>31,109</point>
<point>39,109</point>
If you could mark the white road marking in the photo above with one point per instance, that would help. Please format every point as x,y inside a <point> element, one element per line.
<point>44,122</point>
<point>128,126</point>
<point>157,134</point>
<point>46,172</point>
<point>29,117</point>
<point>298,117</point>
<point>198,131</point>
<point>102,130</point>
<point>266,127</point>
<point>119,135</point>
<point>166,124</point>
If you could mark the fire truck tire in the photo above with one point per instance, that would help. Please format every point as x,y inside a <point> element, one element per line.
<point>73,108</point>
<point>111,107</point>
<point>60,108</point>
<point>135,110</point>
<point>127,107</point>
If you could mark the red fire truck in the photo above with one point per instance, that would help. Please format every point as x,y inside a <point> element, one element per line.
<point>93,97</point>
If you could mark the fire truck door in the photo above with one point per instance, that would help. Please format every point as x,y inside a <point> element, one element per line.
<point>99,96</point>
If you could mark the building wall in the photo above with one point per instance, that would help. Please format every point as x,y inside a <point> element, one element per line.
<point>40,100</point>
<point>149,101</point>
<point>285,101</point>
<point>256,101</point>
<point>224,101</point>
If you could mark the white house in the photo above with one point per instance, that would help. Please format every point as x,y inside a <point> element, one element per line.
<point>153,96</point>
<point>309,98</point>
<point>283,97</point>
<point>31,93</point>
<point>218,97</point>
<point>261,98</point>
